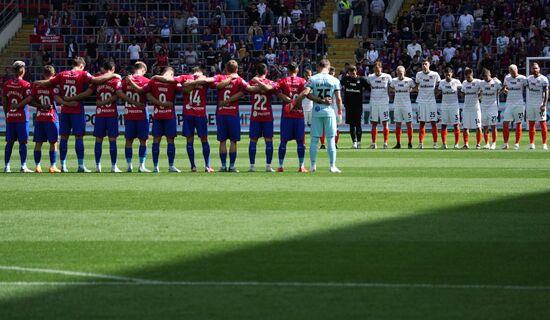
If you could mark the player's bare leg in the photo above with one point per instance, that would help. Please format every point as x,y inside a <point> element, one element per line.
<point>223,155</point>
<point>79,148</point>
<point>373,134</point>
<point>268,154</point>
<point>386,133</point>
<point>252,154</point>
<point>171,152</point>
<point>444,136</point>
<point>456,131</point>
<point>206,154</point>
<point>434,133</point>
<point>233,156</point>
<point>421,134</point>
<point>113,152</point>
<point>398,133</point>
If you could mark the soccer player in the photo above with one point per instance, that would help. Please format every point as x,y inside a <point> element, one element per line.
<point>106,117</point>
<point>354,88</point>
<point>72,120</point>
<point>379,103</point>
<point>324,86</point>
<point>514,85</point>
<point>16,94</point>
<point>537,100</point>
<point>195,88</point>
<point>450,111</point>
<point>332,72</point>
<point>291,91</point>
<point>307,104</point>
<point>162,95</point>
<point>471,111</point>
<point>227,116</point>
<point>136,117</point>
<point>402,87</point>
<point>47,125</point>
<point>426,82</point>
<point>490,88</point>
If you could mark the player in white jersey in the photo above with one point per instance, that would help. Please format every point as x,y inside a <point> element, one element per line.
<point>307,104</point>
<point>514,84</point>
<point>379,103</point>
<point>450,111</point>
<point>471,111</point>
<point>537,100</point>
<point>490,88</point>
<point>402,109</point>
<point>320,88</point>
<point>426,83</point>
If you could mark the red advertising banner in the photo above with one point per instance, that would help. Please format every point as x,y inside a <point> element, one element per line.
<point>45,39</point>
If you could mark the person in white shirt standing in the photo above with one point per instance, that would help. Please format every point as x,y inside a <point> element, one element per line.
<point>490,88</point>
<point>464,21</point>
<point>426,82</point>
<point>514,85</point>
<point>537,100</point>
<point>379,103</point>
<point>471,110</point>
<point>402,109</point>
<point>450,111</point>
<point>413,47</point>
<point>307,104</point>
<point>134,50</point>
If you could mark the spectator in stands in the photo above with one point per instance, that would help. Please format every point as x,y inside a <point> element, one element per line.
<point>283,55</point>
<point>71,50</point>
<point>358,7</point>
<point>46,57</point>
<point>193,23</point>
<point>284,22</point>
<point>344,13</point>
<point>219,15</point>
<point>449,52</point>
<point>252,13</point>
<point>231,47</point>
<point>210,59</point>
<point>262,7</point>
<point>447,22</point>
<point>222,41</point>
<point>464,21</point>
<point>417,23</point>
<point>273,40</point>
<point>123,21</point>
<point>359,53</point>
<point>207,39</point>
<point>268,17</point>
<point>377,9</point>
<point>91,51</point>
<point>117,39</point>
<point>371,55</point>
<point>91,23</point>
<point>162,59</point>
<point>110,23</point>
<point>134,50</point>
<point>320,26</point>
<point>279,9</point>
<point>312,37</point>
<point>413,47</point>
<point>165,30</point>
<point>296,14</point>
<point>152,25</point>
<point>191,57</point>
<point>242,50</point>
<point>299,34</point>
<point>270,57</point>
<point>226,31</point>
<point>55,23</point>
<point>254,31</point>
<point>502,42</point>
<point>179,25</point>
<point>41,26</point>
<point>518,41</point>
<point>285,38</point>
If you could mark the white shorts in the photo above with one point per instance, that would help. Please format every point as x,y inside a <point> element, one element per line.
<point>471,119</point>
<point>427,111</point>
<point>489,117</point>
<point>379,112</point>
<point>307,117</point>
<point>514,113</point>
<point>327,124</point>
<point>402,114</point>
<point>450,116</point>
<point>534,114</point>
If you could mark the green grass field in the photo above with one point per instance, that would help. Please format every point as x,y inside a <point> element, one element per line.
<point>400,234</point>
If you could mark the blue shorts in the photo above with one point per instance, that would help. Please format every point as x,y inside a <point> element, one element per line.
<point>260,129</point>
<point>229,127</point>
<point>192,123</point>
<point>292,129</point>
<point>46,131</point>
<point>106,127</point>
<point>72,123</point>
<point>165,127</point>
<point>17,131</point>
<point>136,129</point>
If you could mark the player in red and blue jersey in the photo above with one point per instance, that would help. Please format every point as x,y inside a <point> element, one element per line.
<point>136,117</point>
<point>16,94</point>
<point>261,119</point>
<point>227,116</point>
<point>292,118</point>
<point>72,84</point>
<point>195,87</point>
<point>46,127</point>
<point>162,95</point>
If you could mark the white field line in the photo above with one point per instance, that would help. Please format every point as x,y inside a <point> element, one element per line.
<point>127,281</point>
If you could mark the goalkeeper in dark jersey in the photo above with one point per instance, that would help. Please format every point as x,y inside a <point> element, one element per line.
<point>353,89</point>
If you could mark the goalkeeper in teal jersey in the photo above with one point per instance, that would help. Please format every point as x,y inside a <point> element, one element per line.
<point>322,87</point>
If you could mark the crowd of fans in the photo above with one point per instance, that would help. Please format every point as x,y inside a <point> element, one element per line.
<point>458,34</point>
<point>183,34</point>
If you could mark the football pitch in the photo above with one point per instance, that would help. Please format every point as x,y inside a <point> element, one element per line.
<point>400,234</point>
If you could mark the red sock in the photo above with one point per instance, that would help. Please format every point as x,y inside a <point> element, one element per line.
<point>519,129</point>
<point>386,132</point>
<point>323,138</point>
<point>398,132</point>
<point>543,131</point>
<point>486,136</point>
<point>434,131</point>
<point>373,133</point>
<point>506,132</point>
<point>421,133</point>
<point>410,132</point>
<point>457,134</point>
<point>494,134</point>
<point>478,137</point>
<point>337,136</point>
<point>466,137</point>
<point>532,131</point>
<point>443,135</point>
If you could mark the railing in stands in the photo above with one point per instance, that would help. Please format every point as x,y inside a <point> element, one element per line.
<point>8,10</point>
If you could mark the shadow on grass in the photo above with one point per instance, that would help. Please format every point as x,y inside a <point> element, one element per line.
<point>501,242</point>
